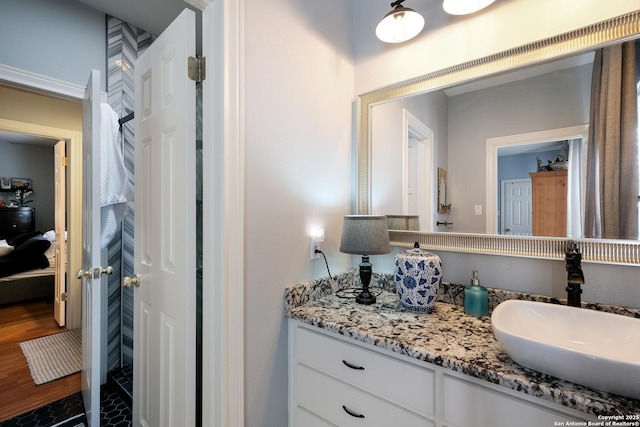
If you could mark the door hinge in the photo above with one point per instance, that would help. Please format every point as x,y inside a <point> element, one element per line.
<point>63,296</point>
<point>197,69</point>
<point>63,161</point>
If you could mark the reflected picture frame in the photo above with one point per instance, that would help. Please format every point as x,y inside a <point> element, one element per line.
<point>5,183</point>
<point>442,191</point>
<point>21,182</point>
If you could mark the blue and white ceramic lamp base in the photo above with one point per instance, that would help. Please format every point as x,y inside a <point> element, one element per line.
<point>417,277</point>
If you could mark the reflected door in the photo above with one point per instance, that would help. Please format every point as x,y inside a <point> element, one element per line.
<point>516,211</point>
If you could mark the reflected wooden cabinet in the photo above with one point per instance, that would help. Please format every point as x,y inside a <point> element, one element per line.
<point>549,203</point>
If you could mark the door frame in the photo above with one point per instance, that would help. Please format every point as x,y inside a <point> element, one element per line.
<point>223,213</point>
<point>491,156</point>
<point>414,128</point>
<point>73,205</point>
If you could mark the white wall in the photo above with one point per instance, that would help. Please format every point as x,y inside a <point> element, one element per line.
<point>299,157</point>
<point>62,39</point>
<point>448,41</point>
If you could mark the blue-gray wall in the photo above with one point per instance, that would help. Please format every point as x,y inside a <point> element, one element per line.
<point>36,163</point>
<point>62,39</point>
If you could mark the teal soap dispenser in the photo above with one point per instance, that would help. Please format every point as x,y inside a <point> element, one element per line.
<point>476,298</point>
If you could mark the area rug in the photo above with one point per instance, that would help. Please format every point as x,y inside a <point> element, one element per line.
<point>54,356</point>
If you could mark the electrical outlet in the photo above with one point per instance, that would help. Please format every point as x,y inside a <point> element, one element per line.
<point>316,239</point>
<point>478,209</point>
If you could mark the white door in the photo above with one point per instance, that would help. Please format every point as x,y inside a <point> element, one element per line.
<point>516,207</point>
<point>165,216</point>
<point>91,271</point>
<point>59,299</point>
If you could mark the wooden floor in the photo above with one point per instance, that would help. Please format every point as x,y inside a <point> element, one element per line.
<point>18,393</point>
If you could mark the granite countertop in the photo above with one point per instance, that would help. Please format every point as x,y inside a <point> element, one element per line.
<point>446,337</point>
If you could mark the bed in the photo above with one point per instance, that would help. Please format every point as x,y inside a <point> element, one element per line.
<point>27,270</point>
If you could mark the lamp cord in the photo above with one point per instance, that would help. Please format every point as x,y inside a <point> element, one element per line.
<point>334,286</point>
<point>342,293</point>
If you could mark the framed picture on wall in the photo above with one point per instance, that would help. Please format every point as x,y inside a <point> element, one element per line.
<point>21,182</point>
<point>5,183</point>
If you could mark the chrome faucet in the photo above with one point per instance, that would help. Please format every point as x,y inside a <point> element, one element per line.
<point>575,276</point>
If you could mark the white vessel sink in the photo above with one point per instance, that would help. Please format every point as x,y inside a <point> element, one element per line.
<point>588,347</point>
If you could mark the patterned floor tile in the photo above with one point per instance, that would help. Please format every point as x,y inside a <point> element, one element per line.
<point>69,412</point>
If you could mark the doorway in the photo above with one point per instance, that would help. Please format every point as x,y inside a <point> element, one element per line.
<point>494,146</point>
<point>31,315</point>
<point>418,170</point>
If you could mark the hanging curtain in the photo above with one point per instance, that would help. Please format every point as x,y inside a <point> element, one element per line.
<point>575,188</point>
<point>611,210</point>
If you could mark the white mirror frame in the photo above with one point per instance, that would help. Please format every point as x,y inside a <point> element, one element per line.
<point>615,30</point>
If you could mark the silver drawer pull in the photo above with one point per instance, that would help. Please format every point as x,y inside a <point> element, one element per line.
<point>350,412</point>
<point>349,365</point>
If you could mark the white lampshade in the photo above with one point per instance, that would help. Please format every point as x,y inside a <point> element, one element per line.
<point>464,7</point>
<point>365,235</point>
<point>399,25</point>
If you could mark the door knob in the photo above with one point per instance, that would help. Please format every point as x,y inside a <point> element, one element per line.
<point>108,271</point>
<point>83,273</point>
<point>128,281</point>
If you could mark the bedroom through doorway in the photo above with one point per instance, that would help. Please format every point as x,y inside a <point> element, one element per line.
<point>30,301</point>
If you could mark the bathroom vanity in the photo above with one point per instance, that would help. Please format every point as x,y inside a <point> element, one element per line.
<point>382,365</point>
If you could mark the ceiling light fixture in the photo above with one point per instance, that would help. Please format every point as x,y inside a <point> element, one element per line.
<point>399,25</point>
<point>464,7</point>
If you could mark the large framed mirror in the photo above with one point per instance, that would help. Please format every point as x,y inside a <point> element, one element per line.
<point>469,107</point>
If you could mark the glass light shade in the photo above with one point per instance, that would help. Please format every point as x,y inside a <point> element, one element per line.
<point>365,235</point>
<point>403,222</point>
<point>399,25</point>
<point>464,7</point>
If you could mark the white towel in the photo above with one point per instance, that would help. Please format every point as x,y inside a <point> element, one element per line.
<point>115,188</point>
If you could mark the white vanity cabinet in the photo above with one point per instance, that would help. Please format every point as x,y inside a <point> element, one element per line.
<point>338,381</point>
<point>349,385</point>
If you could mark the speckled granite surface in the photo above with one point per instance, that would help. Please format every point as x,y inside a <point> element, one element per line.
<point>447,337</point>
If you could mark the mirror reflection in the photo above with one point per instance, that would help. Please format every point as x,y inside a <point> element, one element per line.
<point>515,149</point>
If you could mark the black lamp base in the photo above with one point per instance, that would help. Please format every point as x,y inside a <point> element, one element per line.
<point>365,297</point>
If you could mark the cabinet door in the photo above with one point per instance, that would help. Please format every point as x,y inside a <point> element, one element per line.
<point>467,404</point>
<point>549,199</point>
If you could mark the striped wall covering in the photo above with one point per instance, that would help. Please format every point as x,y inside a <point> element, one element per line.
<point>124,44</point>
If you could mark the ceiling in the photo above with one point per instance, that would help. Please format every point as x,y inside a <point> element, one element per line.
<point>18,138</point>
<point>152,16</point>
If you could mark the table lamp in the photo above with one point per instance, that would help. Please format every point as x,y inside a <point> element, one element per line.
<point>365,235</point>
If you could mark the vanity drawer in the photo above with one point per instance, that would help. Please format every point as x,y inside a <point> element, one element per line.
<point>346,406</point>
<point>302,417</point>
<point>403,383</point>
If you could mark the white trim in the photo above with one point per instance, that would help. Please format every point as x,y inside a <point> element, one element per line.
<point>223,204</point>
<point>492,146</point>
<point>40,83</point>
